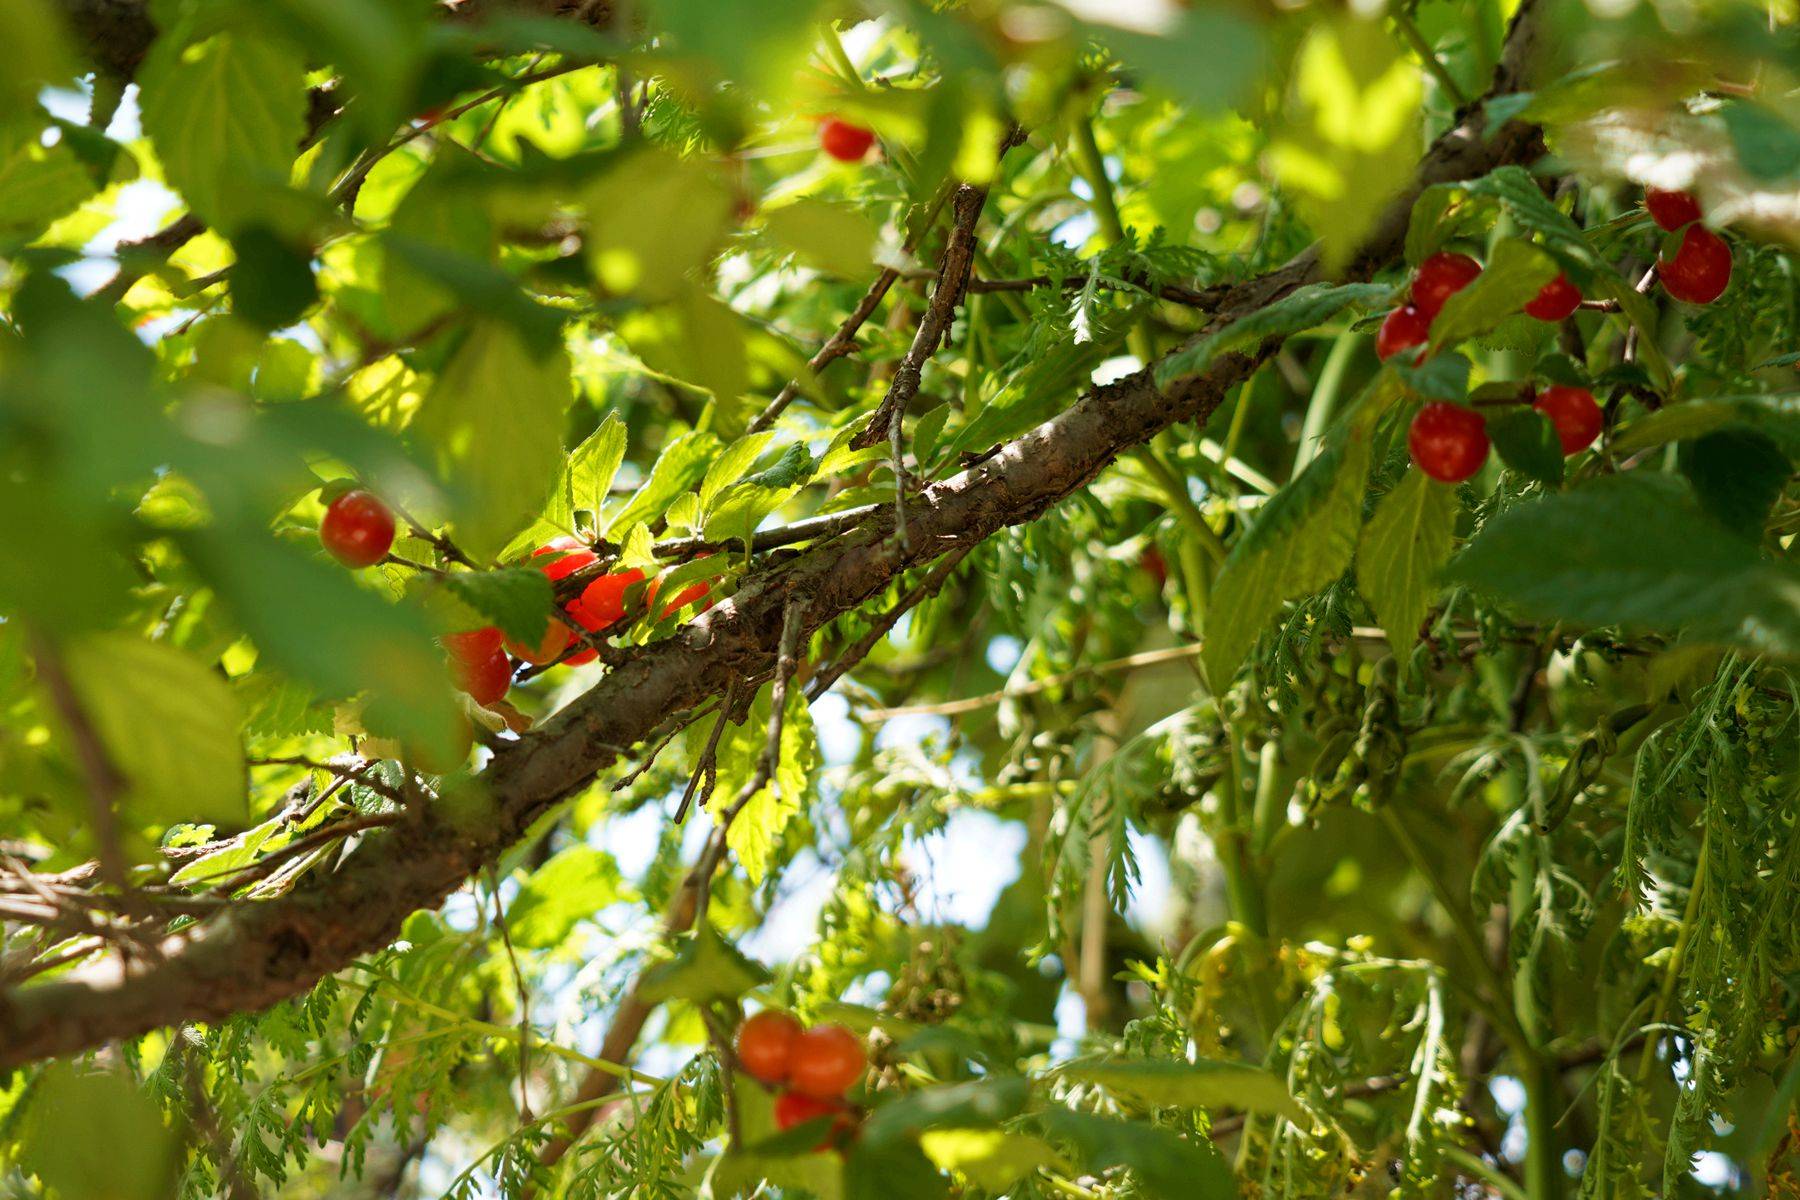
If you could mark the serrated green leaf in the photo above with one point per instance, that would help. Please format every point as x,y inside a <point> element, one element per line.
<point>192,767</point>
<point>1303,308</point>
<point>1304,538</point>
<point>494,420</point>
<point>756,832</point>
<point>705,969</point>
<point>679,467</point>
<point>1402,549</point>
<point>570,888</point>
<point>732,464</point>
<point>1584,556</point>
<point>1526,441</point>
<point>517,599</point>
<point>1775,417</point>
<point>226,115</point>
<point>236,854</point>
<point>1163,1083</point>
<point>1514,274</point>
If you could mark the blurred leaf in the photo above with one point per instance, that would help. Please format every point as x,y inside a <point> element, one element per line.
<point>1737,475</point>
<point>1526,441</point>
<point>1223,38</point>
<point>664,218</point>
<point>38,183</point>
<point>896,1171</point>
<point>1169,1166</point>
<point>517,599</point>
<point>705,969</point>
<point>739,1173</point>
<point>92,1134</point>
<point>1161,1083</point>
<point>38,53</point>
<point>271,282</point>
<point>1777,417</point>
<point>1303,539</point>
<point>169,723</point>
<point>1401,551</point>
<point>495,419</point>
<point>993,1159</point>
<point>978,1103</point>
<point>570,888</point>
<point>1303,308</point>
<point>836,238</point>
<point>1352,132</point>
<point>1768,147</point>
<point>226,115</point>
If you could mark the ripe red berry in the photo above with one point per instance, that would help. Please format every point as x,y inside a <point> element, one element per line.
<point>472,645</point>
<point>1440,277</point>
<point>604,598</point>
<point>1555,300</point>
<point>1574,414</point>
<point>572,555</point>
<point>484,674</point>
<point>844,141</point>
<point>826,1061</point>
<point>765,1044</point>
<point>1447,441</point>
<point>556,639</point>
<point>1700,269</point>
<point>1403,329</point>
<point>357,529</point>
<point>1671,210</point>
<point>580,615</point>
<point>794,1108</point>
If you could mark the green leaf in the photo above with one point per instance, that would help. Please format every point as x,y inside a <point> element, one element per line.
<point>897,1171</point>
<point>1586,556</point>
<point>226,115</point>
<point>1163,1083</point>
<point>665,217</point>
<point>1776,417</point>
<point>1168,1165</point>
<point>494,419</point>
<point>1737,474</point>
<point>38,53</point>
<point>1768,147</point>
<point>745,1173</point>
<point>92,1133</point>
<point>705,969</point>
<point>1352,132</point>
<point>978,1103</point>
<point>1227,41</point>
<point>1304,308</point>
<point>272,282</point>
<point>994,1159</point>
<point>169,723</point>
<point>1513,276</point>
<point>755,834</point>
<point>732,464</point>
<point>1527,442</point>
<point>1401,551</point>
<point>837,238</point>
<point>570,888</point>
<point>517,599</point>
<point>38,183</point>
<point>679,467</point>
<point>1303,540</point>
<point>235,855</point>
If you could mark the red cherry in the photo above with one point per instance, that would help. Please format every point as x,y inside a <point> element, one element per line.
<point>357,529</point>
<point>556,639</point>
<point>1447,441</point>
<point>844,141</point>
<point>1700,269</point>
<point>1555,300</point>
<point>1574,414</point>
<point>1155,566</point>
<point>1671,210</point>
<point>472,645</point>
<point>486,678</point>
<point>579,614</point>
<point>1403,329</point>
<point>692,594</point>
<point>604,598</point>
<point>574,555</point>
<point>826,1060</point>
<point>794,1108</point>
<point>1440,277</point>
<point>765,1043</point>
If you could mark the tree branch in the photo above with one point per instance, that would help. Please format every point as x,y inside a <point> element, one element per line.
<point>269,951</point>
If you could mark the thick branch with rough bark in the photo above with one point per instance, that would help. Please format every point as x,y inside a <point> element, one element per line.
<point>256,955</point>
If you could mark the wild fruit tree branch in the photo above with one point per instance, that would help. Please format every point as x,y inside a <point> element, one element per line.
<point>267,952</point>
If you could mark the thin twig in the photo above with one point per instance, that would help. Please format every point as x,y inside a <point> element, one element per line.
<point>706,771</point>
<point>859,650</point>
<point>512,957</point>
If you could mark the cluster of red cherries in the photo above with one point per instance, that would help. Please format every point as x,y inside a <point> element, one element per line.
<point>358,530</point>
<point>813,1068</point>
<point>1449,442</point>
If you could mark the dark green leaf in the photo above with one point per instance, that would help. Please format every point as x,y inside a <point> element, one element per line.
<point>1169,1166</point>
<point>1737,475</point>
<point>1304,308</point>
<point>706,968</point>
<point>517,599</point>
<point>1527,442</point>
